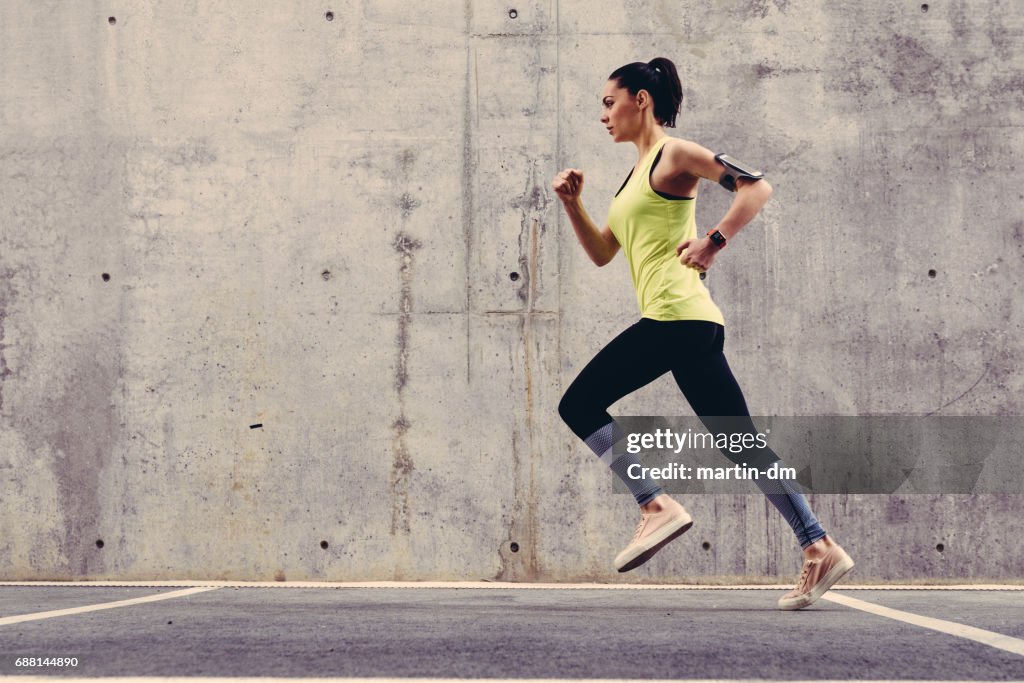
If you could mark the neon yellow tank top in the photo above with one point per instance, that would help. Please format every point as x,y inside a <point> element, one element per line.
<point>649,227</point>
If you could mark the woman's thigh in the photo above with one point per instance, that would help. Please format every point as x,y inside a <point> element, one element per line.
<point>715,396</point>
<point>625,364</point>
<point>707,382</point>
<point>639,355</point>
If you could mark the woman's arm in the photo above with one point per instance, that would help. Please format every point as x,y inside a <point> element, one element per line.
<point>689,158</point>
<point>751,196</point>
<point>600,245</point>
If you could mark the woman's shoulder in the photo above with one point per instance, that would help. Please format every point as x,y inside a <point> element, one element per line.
<point>687,156</point>
<point>681,144</point>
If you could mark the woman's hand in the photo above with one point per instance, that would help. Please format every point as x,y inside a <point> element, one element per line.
<point>568,184</point>
<point>698,254</point>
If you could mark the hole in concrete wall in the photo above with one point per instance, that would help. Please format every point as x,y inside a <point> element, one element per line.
<point>99,543</point>
<point>932,273</point>
<point>326,275</point>
<point>513,276</point>
<point>329,16</point>
<point>940,547</point>
<point>513,14</point>
<point>705,545</point>
<point>513,546</point>
<point>111,20</point>
<point>924,8</point>
<point>106,277</point>
<point>323,544</point>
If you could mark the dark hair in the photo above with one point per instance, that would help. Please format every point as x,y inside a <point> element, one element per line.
<point>659,78</point>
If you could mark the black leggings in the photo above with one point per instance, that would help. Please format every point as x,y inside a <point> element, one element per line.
<point>691,349</point>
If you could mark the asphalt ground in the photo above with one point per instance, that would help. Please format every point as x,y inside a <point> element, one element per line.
<point>502,631</point>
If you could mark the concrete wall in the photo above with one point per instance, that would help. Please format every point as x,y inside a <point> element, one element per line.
<point>217,215</point>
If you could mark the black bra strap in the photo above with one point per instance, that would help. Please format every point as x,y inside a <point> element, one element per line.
<point>625,181</point>
<point>660,194</point>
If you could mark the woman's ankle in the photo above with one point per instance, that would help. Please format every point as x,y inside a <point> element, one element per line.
<point>654,504</point>
<point>819,547</point>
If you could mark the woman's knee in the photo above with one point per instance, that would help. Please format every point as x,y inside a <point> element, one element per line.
<point>569,407</point>
<point>581,413</point>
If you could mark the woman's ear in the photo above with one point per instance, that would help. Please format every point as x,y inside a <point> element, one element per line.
<point>642,99</point>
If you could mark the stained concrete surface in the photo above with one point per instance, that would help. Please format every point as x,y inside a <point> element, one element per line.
<point>216,216</point>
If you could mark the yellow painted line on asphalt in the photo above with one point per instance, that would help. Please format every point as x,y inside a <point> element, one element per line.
<point>20,618</point>
<point>980,635</point>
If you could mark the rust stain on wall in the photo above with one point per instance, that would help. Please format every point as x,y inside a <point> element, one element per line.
<point>523,527</point>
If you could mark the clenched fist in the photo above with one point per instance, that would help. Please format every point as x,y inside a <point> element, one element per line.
<point>568,184</point>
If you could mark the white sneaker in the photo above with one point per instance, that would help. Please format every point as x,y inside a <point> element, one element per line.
<point>816,578</point>
<point>655,531</point>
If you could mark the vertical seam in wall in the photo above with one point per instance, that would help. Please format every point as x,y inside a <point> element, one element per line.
<point>467,183</point>
<point>558,214</point>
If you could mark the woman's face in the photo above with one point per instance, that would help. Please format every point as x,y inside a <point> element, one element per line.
<point>619,112</point>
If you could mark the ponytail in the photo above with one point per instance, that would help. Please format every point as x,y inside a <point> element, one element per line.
<point>659,78</point>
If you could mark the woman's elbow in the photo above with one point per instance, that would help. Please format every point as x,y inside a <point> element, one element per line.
<point>755,188</point>
<point>760,192</point>
<point>606,257</point>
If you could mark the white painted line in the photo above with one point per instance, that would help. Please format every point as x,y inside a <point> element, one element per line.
<point>504,585</point>
<point>199,679</point>
<point>482,585</point>
<point>17,619</point>
<point>996,640</point>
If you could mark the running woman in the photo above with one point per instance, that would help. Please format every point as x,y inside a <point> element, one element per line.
<point>681,329</point>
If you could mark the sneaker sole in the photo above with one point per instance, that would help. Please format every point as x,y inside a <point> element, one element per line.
<point>670,532</point>
<point>837,572</point>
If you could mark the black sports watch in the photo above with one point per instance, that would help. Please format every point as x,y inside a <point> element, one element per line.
<point>717,238</point>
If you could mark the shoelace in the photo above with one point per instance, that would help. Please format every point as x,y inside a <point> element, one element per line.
<point>639,527</point>
<point>804,574</point>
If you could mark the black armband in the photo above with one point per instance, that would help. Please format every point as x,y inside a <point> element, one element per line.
<point>734,170</point>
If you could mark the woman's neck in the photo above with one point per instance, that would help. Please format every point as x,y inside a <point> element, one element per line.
<point>647,139</point>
